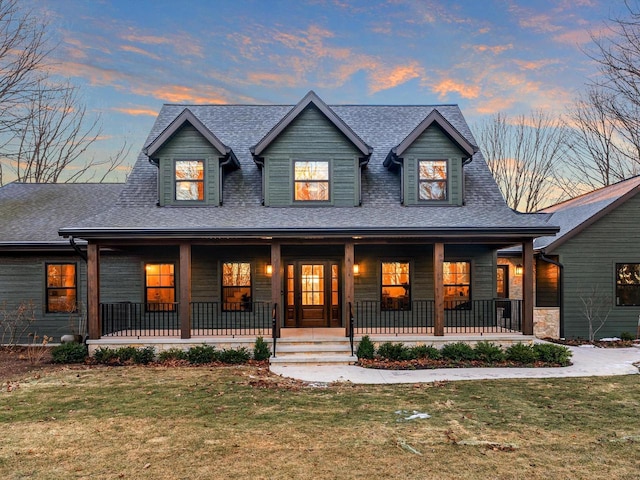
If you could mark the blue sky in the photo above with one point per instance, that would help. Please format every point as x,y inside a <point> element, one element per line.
<point>488,56</point>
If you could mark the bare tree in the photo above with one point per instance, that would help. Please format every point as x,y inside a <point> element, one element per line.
<point>600,156</point>
<point>525,156</point>
<point>596,307</point>
<point>45,129</point>
<point>618,55</point>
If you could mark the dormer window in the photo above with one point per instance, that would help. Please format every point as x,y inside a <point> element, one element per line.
<point>311,181</point>
<point>433,179</point>
<point>189,178</point>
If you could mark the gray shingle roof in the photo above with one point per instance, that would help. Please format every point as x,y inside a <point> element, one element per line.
<point>32,213</point>
<point>381,127</point>
<point>575,214</point>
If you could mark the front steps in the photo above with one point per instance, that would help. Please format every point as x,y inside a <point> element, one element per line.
<point>313,346</point>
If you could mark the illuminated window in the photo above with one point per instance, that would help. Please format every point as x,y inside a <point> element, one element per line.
<point>189,180</point>
<point>502,281</point>
<point>457,285</point>
<point>628,284</point>
<point>396,289</point>
<point>61,287</point>
<point>432,179</point>
<point>236,286</point>
<point>311,181</point>
<point>160,286</point>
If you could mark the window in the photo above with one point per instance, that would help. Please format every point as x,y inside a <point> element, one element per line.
<point>547,283</point>
<point>457,285</point>
<point>236,286</point>
<point>502,281</point>
<point>628,284</point>
<point>396,291</point>
<point>61,288</point>
<point>160,286</point>
<point>432,179</point>
<point>311,181</point>
<point>190,180</point>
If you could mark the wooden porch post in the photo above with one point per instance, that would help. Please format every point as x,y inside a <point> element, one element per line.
<point>93,291</point>
<point>438,289</point>
<point>349,289</point>
<point>184,309</point>
<point>276,282</point>
<point>527,287</point>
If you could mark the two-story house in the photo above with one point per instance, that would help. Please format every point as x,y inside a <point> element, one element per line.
<point>239,217</point>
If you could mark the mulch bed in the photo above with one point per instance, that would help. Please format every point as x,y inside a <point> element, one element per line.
<point>427,364</point>
<point>576,342</point>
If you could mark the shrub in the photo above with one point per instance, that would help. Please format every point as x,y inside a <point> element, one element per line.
<point>125,354</point>
<point>521,353</point>
<point>105,355</point>
<point>627,336</point>
<point>489,352</point>
<point>366,349</point>
<point>234,355</point>
<point>69,353</point>
<point>458,352</point>
<point>261,349</point>
<point>201,354</point>
<point>393,351</point>
<point>424,351</point>
<point>143,356</point>
<point>552,353</point>
<point>174,353</point>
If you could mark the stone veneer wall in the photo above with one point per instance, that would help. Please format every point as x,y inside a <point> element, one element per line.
<point>546,322</point>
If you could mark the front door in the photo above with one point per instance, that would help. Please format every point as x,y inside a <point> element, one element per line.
<point>312,292</point>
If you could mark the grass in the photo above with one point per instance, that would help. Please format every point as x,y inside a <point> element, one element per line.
<point>240,422</point>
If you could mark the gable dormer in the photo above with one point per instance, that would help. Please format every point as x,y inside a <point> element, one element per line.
<point>311,157</point>
<point>191,163</point>
<point>431,160</point>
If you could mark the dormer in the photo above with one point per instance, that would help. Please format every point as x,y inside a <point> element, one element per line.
<point>191,163</point>
<point>431,160</point>
<point>311,157</point>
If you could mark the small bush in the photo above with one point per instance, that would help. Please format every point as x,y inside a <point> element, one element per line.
<point>489,352</point>
<point>125,354</point>
<point>393,351</point>
<point>521,353</point>
<point>458,352</point>
<point>627,336</point>
<point>69,353</point>
<point>201,354</point>
<point>144,356</point>
<point>105,355</point>
<point>172,354</point>
<point>261,349</point>
<point>552,353</point>
<point>366,348</point>
<point>234,355</point>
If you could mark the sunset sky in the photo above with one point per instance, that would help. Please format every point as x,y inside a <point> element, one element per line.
<point>132,56</point>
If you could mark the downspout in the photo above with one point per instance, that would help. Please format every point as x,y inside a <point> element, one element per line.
<point>228,159</point>
<point>82,255</point>
<point>561,288</point>
<point>260,163</point>
<point>396,161</point>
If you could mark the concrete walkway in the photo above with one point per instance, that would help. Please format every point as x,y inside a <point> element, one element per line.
<point>587,362</point>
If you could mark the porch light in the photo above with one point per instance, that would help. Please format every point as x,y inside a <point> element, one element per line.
<point>519,270</point>
<point>356,269</point>
<point>268,269</point>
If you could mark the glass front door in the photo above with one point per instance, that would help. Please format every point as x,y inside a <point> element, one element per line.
<point>312,294</point>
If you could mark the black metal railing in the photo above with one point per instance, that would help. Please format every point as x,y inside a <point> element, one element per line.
<point>351,327</point>
<point>128,319</point>
<point>225,318</point>
<point>274,327</point>
<point>417,317</point>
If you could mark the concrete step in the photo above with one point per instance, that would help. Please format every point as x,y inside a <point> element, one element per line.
<point>313,348</point>
<point>318,359</point>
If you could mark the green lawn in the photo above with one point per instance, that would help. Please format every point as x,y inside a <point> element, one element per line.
<point>238,422</point>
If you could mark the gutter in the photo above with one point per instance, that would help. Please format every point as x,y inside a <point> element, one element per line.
<point>80,253</point>
<point>561,287</point>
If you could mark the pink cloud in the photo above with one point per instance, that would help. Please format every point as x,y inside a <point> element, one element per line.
<point>495,49</point>
<point>383,79</point>
<point>147,39</point>
<point>535,64</point>
<point>139,51</point>
<point>136,111</point>
<point>573,37</point>
<point>450,85</point>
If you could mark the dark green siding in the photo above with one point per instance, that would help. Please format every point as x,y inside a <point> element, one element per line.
<point>311,136</point>
<point>589,261</point>
<point>23,280</point>
<point>188,144</point>
<point>433,144</point>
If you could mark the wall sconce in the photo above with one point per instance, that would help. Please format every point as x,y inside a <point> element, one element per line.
<point>519,270</point>
<point>268,269</point>
<point>356,269</point>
